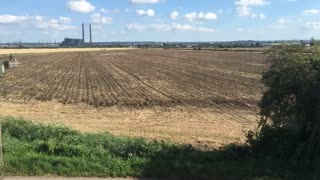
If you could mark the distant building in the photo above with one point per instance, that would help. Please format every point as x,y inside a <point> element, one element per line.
<point>72,42</point>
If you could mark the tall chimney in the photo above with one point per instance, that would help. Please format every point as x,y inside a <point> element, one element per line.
<point>83,33</point>
<point>90,33</point>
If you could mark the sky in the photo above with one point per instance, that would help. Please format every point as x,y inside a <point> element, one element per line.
<point>159,20</point>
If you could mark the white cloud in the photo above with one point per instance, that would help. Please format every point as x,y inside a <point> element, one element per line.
<point>282,20</point>
<point>220,11</point>
<point>244,6</point>
<point>168,27</point>
<point>38,22</point>
<point>82,6</point>
<point>243,11</point>
<point>174,15</point>
<point>39,18</point>
<point>107,11</point>
<point>136,27</point>
<point>98,19</point>
<point>200,16</point>
<point>148,12</point>
<point>190,28</point>
<point>65,20</point>
<point>54,26</point>
<point>313,25</point>
<point>144,1</point>
<point>102,10</point>
<point>259,16</point>
<point>12,19</point>
<point>54,21</point>
<point>312,11</point>
<point>251,2</point>
<point>62,24</point>
<point>245,30</point>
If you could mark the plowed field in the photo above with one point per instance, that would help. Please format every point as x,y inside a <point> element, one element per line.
<point>221,83</point>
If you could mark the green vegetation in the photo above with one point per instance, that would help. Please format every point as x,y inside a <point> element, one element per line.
<point>290,108</point>
<point>286,147</point>
<point>31,149</point>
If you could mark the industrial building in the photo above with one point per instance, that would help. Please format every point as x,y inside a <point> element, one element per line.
<point>78,42</point>
<point>72,42</point>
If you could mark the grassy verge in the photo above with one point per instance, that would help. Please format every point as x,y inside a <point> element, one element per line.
<point>31,149</point>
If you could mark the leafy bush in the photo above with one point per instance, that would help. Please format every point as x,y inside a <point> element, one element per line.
<point>275,143</point>
<point>28,131</point>
<point>31,149</point>
<point>52,147</point>
<point>291,104</point>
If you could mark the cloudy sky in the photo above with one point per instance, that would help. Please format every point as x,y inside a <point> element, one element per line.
<point>159,20</point>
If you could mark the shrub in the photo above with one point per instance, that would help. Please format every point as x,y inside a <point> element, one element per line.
<point>291,104</point>
<point>275,143</point>
<point>70,153</point>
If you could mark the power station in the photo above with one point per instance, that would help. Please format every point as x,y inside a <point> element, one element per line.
<point>83,38</point>
<point>90,34</point>
<point>78,42</point>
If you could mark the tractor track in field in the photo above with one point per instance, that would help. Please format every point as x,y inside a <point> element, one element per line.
<point>141,78</point>
<point>205,98</point>
<point>23,81</point>
<point>148,86</point>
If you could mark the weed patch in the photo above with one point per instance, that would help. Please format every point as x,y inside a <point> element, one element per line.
<point>38,150</point>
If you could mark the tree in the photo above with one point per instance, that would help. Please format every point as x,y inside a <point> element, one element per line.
<point>292,98</point>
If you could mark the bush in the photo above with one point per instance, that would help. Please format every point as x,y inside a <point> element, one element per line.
<point>290,108</point>
<point>275,143</point>
<point>33,150</point>
<point>52,147</point>
<point>20,129</point>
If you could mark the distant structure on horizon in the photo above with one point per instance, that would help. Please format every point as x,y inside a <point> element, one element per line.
<point>83,33</point>
<point>90,34</point>
<point>78,42</point>
<point>72,42</point>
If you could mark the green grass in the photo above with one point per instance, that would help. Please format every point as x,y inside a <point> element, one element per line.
<point>37,150</point>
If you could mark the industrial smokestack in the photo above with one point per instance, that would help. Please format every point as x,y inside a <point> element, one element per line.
<point>83,33</point>
<point>90,33</point>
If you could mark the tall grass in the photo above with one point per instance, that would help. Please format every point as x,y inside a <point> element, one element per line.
<point>33,149</point>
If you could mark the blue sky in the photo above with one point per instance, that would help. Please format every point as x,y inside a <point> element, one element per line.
<point>159,20</point>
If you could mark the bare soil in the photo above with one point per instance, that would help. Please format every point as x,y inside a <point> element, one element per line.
<point>52,50</point>
<point>204,98</point>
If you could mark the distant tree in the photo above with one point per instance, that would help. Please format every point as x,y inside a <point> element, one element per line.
<point>165,46</point>
<point>302,43</point>
<point>292,98</point>
<point>314,42</point>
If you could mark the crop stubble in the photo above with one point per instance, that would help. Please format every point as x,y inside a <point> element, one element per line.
<point>198,83</point>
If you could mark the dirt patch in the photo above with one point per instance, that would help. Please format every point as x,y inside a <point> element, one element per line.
<point>204,128</point>
<point>138,78</point>
<point>205,98</point>
<point>54,50</point>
